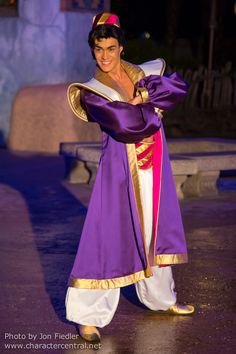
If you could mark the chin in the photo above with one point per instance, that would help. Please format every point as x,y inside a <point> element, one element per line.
<point>106,69</point>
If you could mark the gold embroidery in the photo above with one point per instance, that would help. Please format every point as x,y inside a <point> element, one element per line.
<point>143,147</point>
<point>163,259</point>
<point>159,200</point>
<point>163,66</point>
<point>145,159</point>
<point>166,259</point>
<point>134,72</point>
<point>73,96</point>
<point>132,158</point>
<point>109,283</point>
<point>144,94</point>
<point>159,111</point>
<point>150,164</point>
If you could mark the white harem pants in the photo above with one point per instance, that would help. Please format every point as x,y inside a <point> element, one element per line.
<point>95,307</point>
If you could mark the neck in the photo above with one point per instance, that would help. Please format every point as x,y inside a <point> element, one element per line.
<point>117,73</point>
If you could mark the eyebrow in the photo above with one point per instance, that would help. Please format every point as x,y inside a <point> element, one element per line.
<point>111,46</point>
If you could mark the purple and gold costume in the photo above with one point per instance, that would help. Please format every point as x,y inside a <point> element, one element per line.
<point>112,251</point>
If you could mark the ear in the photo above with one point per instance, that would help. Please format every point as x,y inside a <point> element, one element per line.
<point>121,49</point>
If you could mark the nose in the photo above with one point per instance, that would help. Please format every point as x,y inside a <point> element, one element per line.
<point>104,54</point>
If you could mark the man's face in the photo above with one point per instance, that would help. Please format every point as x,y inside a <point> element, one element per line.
<point>107,54</point>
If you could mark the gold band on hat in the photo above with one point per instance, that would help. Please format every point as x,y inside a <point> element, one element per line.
<point>106,18</point>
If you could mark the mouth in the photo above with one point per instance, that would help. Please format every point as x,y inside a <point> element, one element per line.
<point>105,63</point>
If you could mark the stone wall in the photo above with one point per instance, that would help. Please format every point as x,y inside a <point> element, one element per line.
<point>41,119</point>
<point>43,45</point>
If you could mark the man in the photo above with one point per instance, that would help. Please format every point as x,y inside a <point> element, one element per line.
<point>133,230</point>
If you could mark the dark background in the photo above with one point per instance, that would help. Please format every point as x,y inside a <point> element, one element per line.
<point>179,32</point>
<point>178,29</point>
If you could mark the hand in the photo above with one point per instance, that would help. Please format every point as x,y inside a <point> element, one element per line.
<point>136,100</point>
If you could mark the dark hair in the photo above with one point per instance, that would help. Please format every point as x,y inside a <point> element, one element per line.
<point>105,31</point>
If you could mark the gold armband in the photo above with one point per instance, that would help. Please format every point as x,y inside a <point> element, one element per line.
<point>159,111</point>
<point>144,94</point>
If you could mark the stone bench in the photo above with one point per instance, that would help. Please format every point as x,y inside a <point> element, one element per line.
<point>195,174</point>
<point>209,165</point>
<point>81,161</point>
<point>182,167</point>
<point>199,145</point>
<point>208,157</point>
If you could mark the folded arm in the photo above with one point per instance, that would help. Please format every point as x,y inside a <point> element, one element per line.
<point>164,92</point>
<point>125,122</point>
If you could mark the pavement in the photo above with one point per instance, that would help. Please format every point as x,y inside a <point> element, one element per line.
<point>40,224</point>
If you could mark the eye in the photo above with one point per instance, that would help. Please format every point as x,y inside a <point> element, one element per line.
<point>97,50</point>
